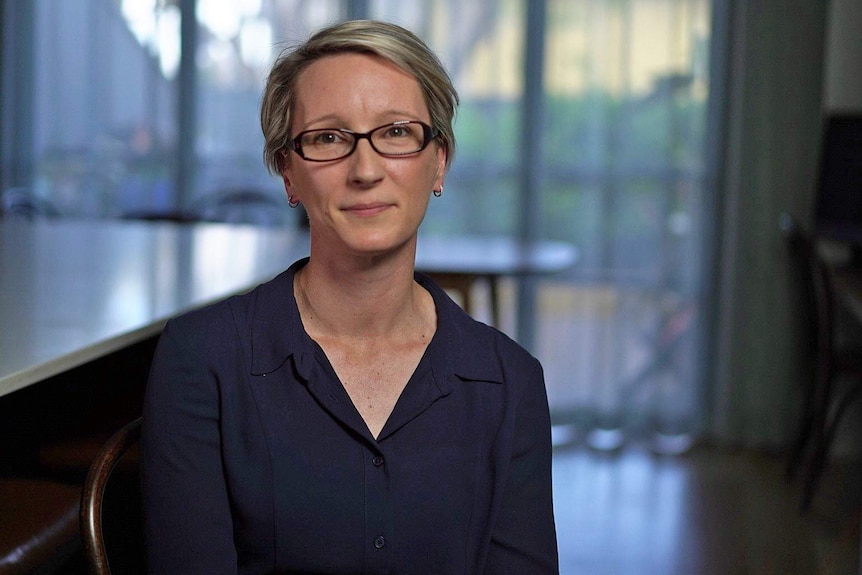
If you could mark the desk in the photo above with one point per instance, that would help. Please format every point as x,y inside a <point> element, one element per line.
<point>74,291</point>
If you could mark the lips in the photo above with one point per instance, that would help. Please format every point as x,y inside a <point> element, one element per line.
<point>368,209</point>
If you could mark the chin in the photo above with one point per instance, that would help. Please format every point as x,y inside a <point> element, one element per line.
<point>378,243</point>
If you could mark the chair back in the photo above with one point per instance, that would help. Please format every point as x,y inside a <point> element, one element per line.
<point>22,204</point>
<point>814,287</point>
<point>110,517</point>
<point>244,206</point>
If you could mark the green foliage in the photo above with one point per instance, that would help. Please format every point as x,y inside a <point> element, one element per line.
<point>611,167</point>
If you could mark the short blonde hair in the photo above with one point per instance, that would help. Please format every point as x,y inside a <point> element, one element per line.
<point>388,41</point>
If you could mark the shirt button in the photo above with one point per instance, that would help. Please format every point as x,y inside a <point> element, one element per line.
<point>380,542</point>
<point>377,460</point>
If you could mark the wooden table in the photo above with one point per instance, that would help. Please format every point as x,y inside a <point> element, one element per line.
<point>457,263</point>
<point>74,291</point>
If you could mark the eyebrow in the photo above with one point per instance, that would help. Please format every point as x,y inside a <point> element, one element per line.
<point>393,115</point>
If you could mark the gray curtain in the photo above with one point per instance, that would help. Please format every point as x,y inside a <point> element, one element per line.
<point>774,79</point>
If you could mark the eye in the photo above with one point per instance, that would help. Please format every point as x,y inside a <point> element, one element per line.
<point>398,131</point>
<point>324,138</point>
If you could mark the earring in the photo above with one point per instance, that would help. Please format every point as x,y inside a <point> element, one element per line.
<point>292,202</point>
<point>438,193</point>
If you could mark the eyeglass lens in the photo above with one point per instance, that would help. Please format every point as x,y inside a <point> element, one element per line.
<point>398,139</point>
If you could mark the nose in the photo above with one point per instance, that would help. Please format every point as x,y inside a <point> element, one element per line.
<point>366,165</point>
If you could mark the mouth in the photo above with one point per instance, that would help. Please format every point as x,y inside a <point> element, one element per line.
<point>367,210</point>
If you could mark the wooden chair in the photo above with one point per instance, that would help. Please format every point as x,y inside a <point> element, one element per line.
<point>20,203</point>
<point>243,206</point>
<point>176,217</point>
<point>110,509</point>
<point>38,525</point>
<point>832,358</point>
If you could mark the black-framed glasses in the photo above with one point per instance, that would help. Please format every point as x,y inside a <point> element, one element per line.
<point>390,140</point>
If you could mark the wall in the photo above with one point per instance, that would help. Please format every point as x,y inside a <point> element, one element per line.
<point>842,86</point>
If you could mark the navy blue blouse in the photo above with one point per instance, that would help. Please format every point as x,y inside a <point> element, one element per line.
<point>255,460</point>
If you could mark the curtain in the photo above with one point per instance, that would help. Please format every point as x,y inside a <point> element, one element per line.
<point>608,153</point>
<point>627,91</point>
<point>619,158</point>
<point>774,78</point>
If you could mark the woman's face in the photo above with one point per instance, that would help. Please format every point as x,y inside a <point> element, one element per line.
<point>364,204</point>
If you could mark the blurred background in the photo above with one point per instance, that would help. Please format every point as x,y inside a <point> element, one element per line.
<point>662,138</point>
<point>600,142</point>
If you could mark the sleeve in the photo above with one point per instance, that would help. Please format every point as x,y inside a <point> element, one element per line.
<point>524,540</point>
<point>187,518</point>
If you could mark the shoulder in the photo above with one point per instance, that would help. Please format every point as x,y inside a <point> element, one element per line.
<point>233,316</point>
<point>476,350</point>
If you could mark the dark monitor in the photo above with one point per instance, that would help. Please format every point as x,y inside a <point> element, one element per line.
<point>838,203</point>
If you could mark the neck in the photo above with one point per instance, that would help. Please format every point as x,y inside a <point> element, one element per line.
<point>359,297</point>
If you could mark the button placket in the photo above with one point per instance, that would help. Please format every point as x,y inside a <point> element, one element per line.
<point>379,511</point>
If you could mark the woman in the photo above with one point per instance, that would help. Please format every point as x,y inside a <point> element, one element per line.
<point>348,417</point>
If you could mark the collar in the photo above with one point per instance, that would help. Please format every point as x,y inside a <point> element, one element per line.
<point>459,349</point>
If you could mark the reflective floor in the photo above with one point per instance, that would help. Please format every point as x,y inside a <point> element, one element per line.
<point>704,513</point>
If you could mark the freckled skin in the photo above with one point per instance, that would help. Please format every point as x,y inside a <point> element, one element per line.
<point>357,296</point>
<point>364,204</point>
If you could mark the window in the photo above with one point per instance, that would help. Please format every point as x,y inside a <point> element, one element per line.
<point>616,143</point>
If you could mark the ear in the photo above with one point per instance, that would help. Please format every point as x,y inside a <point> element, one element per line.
<point>441,168</point>
<point>285,177</point>
<point>288,188</point>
